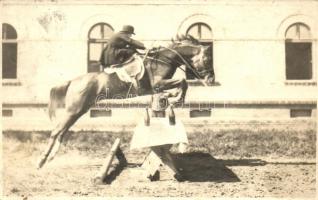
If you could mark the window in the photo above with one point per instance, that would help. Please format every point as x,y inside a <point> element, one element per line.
<point>98,36</point>
<point>298,51</point>
<point>9,52</point>
<point>203,33</point>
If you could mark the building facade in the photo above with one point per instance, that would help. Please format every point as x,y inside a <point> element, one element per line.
<point>262,50</point>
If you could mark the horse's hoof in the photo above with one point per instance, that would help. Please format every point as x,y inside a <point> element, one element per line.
<point>49,159</point>
<point>41,163</point>
<point>97,180</point>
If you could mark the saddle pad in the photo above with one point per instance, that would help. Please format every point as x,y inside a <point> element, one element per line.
<point>129,71</point>
<point>121,73</point>
<point>158,133</point>
<point>141,70</point>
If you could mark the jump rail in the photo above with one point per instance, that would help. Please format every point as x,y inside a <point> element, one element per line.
<point>248,104</point>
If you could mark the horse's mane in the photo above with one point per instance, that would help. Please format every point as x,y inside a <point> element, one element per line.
<point>178,40</point>
<point>184,39</point>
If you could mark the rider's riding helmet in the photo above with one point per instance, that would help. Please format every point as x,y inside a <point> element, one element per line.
<point>128,29</point>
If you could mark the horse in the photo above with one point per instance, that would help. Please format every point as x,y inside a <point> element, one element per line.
<point>79,94</point>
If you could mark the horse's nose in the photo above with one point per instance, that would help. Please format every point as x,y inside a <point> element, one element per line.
<point>205,60</point>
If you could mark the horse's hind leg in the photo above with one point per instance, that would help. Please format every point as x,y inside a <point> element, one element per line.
<point>57,135</point>
<point>59,139</point>
<point>55,147</point>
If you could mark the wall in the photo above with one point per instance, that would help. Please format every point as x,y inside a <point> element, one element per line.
<point>249,56</point>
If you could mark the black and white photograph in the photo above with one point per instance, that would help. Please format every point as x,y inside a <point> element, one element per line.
<point>195,99</point>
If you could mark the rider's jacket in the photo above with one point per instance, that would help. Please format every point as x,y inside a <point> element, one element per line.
<point>120,47</point>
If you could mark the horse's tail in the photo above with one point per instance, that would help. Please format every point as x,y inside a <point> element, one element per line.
<point>57,98</point>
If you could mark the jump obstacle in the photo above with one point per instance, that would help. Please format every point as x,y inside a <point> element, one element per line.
<point>115,151</point>
<point>157,133</point>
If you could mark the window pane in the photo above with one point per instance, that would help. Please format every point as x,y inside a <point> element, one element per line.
<point>206,33</point>
<point>304,32</point>
<point>96,33</point>
<point>101,31</point>
<point>194,31</point>
<point>298,31</point>
<point>8,32</point>
<point>291,32</point>
<point>200,31</point>
<point>95,50</point>
<point>298,61</point>
<point>9,60</point>
<point>108,32</point>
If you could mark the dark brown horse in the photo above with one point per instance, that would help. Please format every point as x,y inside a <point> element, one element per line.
<point>81,93</point>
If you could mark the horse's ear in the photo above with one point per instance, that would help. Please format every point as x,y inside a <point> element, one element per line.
<point>195,41</point>
<point>191,37</point>
<point>196,51</point>
<point>178,37</point>
<point>183,37</point>
<point>207,48</point>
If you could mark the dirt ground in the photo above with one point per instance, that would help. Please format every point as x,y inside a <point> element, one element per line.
<point>221,174</point>
<point>72,174</point>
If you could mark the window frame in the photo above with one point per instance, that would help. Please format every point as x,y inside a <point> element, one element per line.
<point>103,41</point>
<point>11,40</point>
<point>205,42</point>
<point>312,80</point>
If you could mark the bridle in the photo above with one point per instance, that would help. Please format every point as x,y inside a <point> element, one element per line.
<point>187,64</point>
<point>197,74</point>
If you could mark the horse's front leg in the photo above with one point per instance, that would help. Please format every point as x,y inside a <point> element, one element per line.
<point>168,84</point>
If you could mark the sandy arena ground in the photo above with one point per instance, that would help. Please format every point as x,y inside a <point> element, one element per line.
<point>72,175</point>
<point>235,168</point>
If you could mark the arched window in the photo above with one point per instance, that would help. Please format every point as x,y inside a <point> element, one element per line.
<point>203,33</point>
<point>98,37</point>
<point>298,49</point>
<point>200,31</point>
<point>9,52</point>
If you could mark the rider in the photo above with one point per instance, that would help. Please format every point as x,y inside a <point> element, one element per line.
<point>120,47</point>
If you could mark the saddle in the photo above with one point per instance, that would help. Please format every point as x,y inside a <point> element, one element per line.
<point>130,72</point>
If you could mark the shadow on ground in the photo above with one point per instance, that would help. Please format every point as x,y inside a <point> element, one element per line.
<point>202,167</point>
<point>114,173</point>
<point>198,167</point>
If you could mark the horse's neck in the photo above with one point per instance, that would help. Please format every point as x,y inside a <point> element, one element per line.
<point>157,66</point>
<point>168,57</point>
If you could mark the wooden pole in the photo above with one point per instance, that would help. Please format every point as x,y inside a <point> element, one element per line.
<point>121,157</point>
<point>104,169</point>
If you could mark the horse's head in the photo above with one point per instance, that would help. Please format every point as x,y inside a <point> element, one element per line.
<point>196,55</point>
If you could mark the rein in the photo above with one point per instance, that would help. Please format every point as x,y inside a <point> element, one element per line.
<point>197,75</point>
<point>184,62</point>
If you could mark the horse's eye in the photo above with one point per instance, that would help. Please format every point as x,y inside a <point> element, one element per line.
<point>197,51</point>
